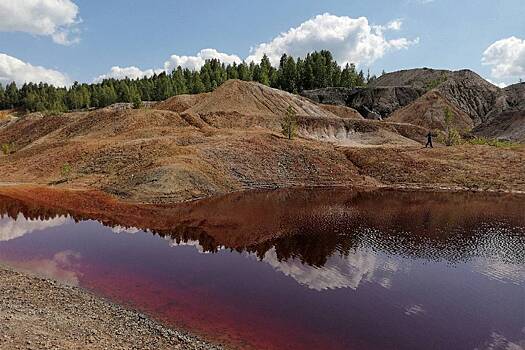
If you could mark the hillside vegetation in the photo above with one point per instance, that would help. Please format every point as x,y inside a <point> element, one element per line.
<point>316,70</point>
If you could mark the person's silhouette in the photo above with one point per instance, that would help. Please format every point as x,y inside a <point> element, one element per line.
<point>429,140</point>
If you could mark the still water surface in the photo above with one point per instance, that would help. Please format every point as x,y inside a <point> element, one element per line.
<point>305,269</point>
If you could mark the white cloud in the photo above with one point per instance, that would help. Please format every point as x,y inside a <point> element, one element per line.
<point>395,24</point>
<point>54,18</point>
<point>127,72</point>
<point>12,229</point>
<point>506,57</point>
<point>13,69</point>
<point>191,62</point>
<point>62,267</point>
<point>501,85</point>
<point>338,272</point>
<point>196,62</point>
<point>351,40</point>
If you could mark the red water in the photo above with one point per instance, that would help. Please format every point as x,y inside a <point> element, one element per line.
<point>422,272</point>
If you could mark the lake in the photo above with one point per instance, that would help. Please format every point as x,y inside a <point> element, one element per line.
<point>296,269</point>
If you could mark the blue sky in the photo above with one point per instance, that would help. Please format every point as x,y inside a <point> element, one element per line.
<point>83,39</point>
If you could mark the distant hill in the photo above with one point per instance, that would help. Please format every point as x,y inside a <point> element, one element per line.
<point>418,96</point>
<point>429,112</point>
<point>507,118</point>
<point>420,78</point>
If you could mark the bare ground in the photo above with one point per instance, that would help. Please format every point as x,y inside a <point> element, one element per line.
<point>41,314</point>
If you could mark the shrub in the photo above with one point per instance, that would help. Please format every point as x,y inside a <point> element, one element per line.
<point>452,136</point>
<point>432,84</point>
<point>289,123</point>
<point>492,142</point>
<point>66,170</point>
<point>137,102</point>
<point>6,148</point>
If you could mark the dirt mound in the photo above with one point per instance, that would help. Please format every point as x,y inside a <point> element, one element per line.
<point>464,89</point>
<point>372,102</point>
<point>254,99</point>
<point>471,93</point>
<point>31,127</point>
<point>361,133</point>
<point>7,114</point>
<point>380,102</point>
<point>228,141</point>
<point>181,103</point>
<point>508,125</point>
<point>330,95</point>
<point>429,112</point>
<point>507,118</point>
<point>107,123</point>
<point>421,78</point>
<point>343,112</point>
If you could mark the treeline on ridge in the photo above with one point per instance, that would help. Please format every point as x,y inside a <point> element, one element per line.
<point>316,70</point>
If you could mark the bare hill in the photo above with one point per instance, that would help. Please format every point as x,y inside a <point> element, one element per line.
<point>429,112</point>
<point>228,141</point>
<point>471,93</point>
<point>343,111</point>
<point>254,99</point>
<point>463,89</point>
<point>181,103</point>
<point>507,119</point>
<point>420,78</point>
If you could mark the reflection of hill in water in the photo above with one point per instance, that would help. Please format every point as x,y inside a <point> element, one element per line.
<point>311,226</point>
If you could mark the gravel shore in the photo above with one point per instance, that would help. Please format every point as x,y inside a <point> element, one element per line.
<point>37,313</point>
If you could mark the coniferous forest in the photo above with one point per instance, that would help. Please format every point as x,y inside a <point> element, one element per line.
<point>316,70</point>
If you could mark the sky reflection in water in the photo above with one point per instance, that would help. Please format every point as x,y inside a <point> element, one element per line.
<point>299,269</point>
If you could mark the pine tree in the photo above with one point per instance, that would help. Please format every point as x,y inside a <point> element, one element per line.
<point>198,86</point>
<point>266,66</point>
<point>11,95</point>
<point>3,102</point>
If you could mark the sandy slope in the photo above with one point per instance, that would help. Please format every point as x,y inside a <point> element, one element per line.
<point>229,140</point>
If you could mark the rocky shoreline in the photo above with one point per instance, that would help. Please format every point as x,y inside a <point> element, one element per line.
<point>37,313</point>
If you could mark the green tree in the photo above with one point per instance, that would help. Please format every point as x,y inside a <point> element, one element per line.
<point>265,72</point>
<point>289,123</point>
<point>452,136</point>
<point>198,86</point>
<point>3,102</point>
<point>12,95</point>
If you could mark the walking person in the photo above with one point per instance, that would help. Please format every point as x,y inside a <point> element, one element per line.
<point>429,140</point>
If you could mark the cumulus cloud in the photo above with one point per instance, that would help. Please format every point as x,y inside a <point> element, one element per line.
<point>12,229</point>
<point>54,18</point>
<point>127,72</point>
<point>338,272</point>
<point>506,57</point>
<point>498,84</point>
<point>62,267</point>
<point>13,69</point>
<point>191,62</point>
<point>196,62</point>
<point>351,40</point>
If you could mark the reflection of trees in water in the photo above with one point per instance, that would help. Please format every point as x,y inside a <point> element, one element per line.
<point>185,234</point>
<point>500,241</point>
<point>411,225</point>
